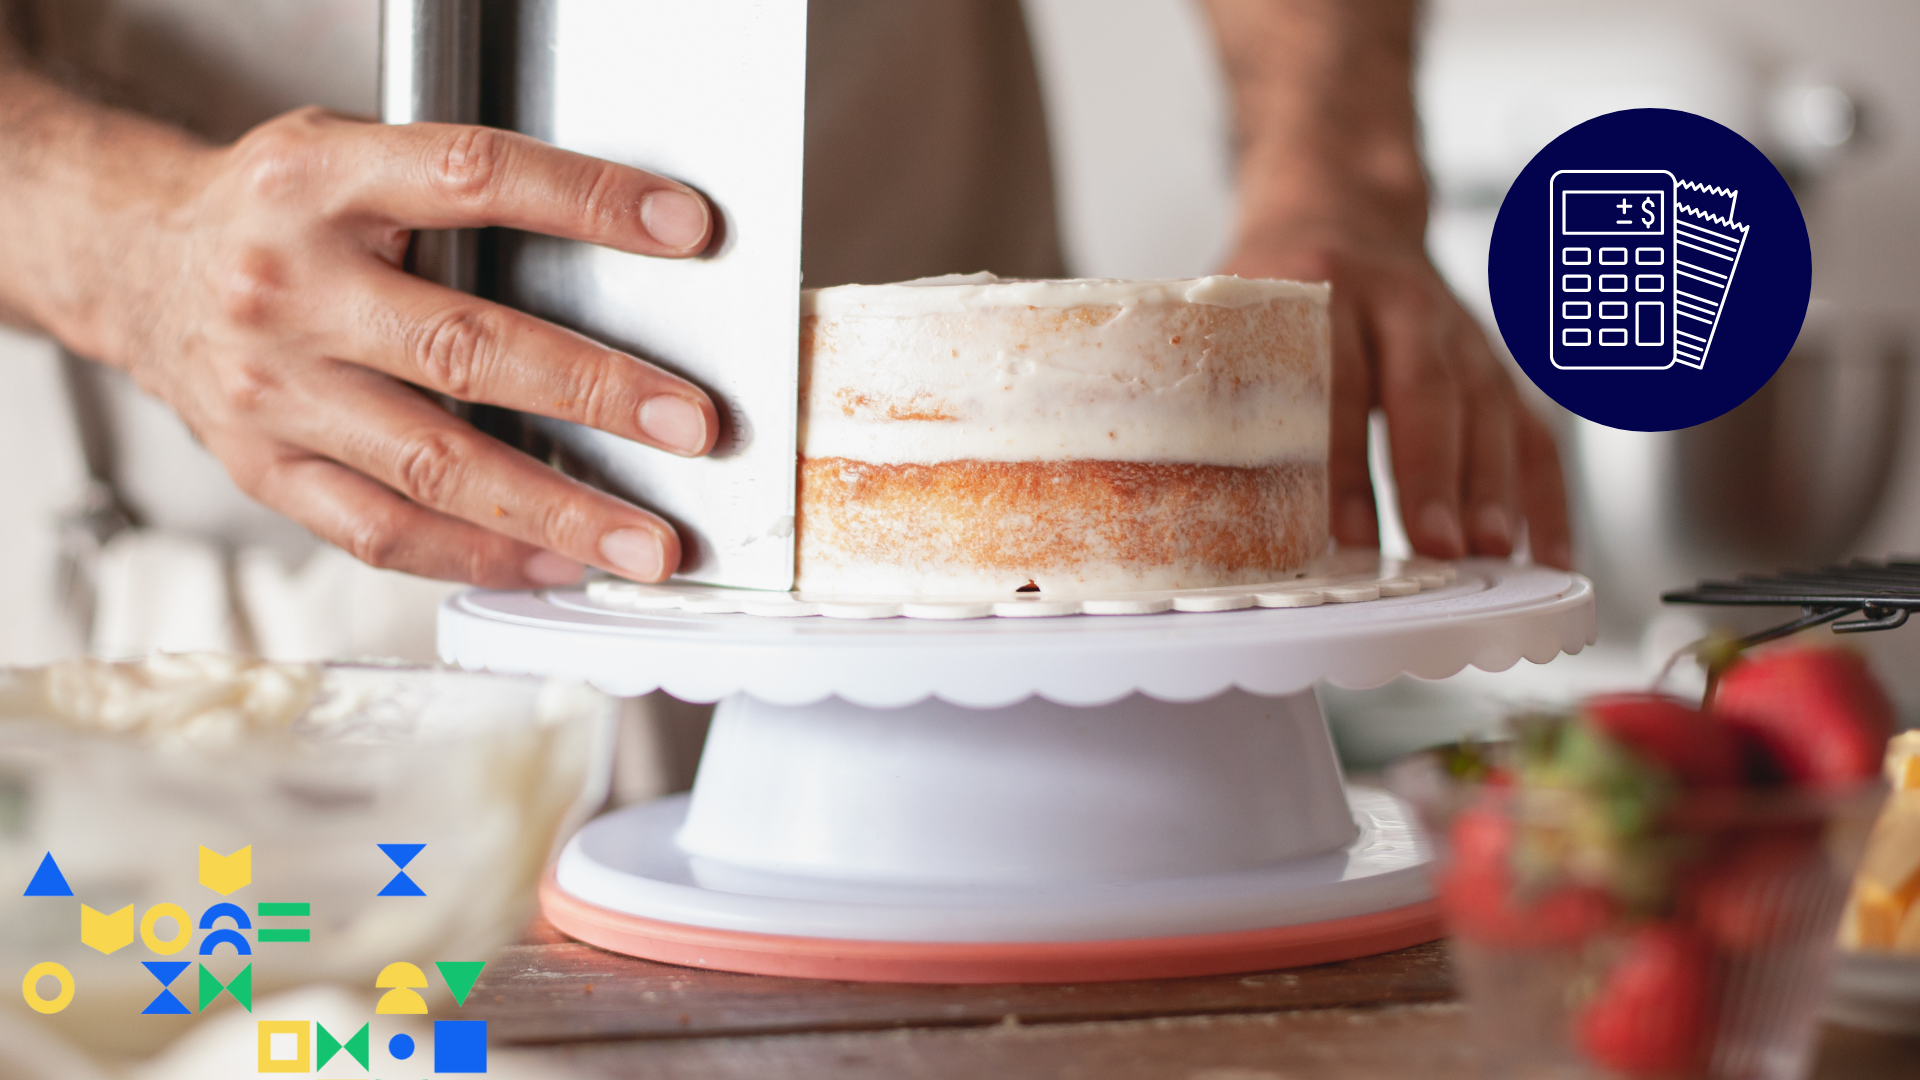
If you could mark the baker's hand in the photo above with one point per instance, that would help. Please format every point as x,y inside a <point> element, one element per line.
<point>1470,460</point>
<point>275,317</point>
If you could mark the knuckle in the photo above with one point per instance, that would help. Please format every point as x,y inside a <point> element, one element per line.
<point>601,397</point>
<point>275,157</point>
<point>431,468</point>
<point>470,161</point>
<point>608,199</point>
<point>455,351</point>
<point>246,386</point>
<point>375,539</point>
<point>251,287</point>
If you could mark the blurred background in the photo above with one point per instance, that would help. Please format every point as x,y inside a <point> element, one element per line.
<point>1817,467</point>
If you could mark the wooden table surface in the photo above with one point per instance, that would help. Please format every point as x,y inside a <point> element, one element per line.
<point>554,1001</point>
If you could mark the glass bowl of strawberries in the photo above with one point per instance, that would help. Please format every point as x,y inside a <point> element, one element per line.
<point>1642,888</point>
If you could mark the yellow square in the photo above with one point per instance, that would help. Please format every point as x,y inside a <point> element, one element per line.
<point>281,1056</point>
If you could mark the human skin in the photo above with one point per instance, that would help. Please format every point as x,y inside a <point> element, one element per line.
<point>1331,188</point>
<point>258,289</point>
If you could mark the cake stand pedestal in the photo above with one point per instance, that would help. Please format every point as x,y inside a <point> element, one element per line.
<point>1034,800</point>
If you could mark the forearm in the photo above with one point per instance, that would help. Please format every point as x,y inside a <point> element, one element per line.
<point>1324,117</point>
<point>83,191</point>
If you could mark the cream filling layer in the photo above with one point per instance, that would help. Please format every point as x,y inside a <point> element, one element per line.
<point>971,292</point>
<point>1260,432</point>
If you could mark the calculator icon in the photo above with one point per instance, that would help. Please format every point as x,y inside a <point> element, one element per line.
<point>1613,269</point>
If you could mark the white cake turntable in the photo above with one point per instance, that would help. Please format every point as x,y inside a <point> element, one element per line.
<point>1061,799</point>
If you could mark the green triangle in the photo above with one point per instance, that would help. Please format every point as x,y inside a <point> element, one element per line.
<point>324,1046</point>
<point>357,1046</point>
<point>241,988</point>
<point>460,976</point>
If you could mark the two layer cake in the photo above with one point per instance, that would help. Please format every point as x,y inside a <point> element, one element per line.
<point>968,435</point>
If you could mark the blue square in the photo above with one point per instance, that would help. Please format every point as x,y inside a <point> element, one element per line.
<point>459,1046</point>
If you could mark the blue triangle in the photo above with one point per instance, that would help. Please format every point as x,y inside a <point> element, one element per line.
<point>48,880</point>
<point>401,854</point>
<point>401,885</point>
<point>166,1005</point>
<point>166,970</point>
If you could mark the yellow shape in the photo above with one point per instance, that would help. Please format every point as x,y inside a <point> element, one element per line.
<point>400,1001</point>
<point>182,928</point>
<point>1903,761</point>
<point>107,933</point>
<point>30,987</point>
<point>400,973</point>
<point>292,1052</point>
<point>1877,916</point>
<point>226,874</point>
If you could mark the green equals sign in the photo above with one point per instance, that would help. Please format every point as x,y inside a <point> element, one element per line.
<point>283,911</point>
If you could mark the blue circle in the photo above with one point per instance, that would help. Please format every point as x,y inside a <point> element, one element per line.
<point>1723,338</point>
<point>401,1047</point>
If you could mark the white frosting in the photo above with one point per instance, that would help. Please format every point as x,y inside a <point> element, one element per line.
<point>965,292</point>
<point>922,372</point>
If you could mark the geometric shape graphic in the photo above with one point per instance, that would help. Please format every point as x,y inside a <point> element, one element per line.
<point>48,880</point>
<point>225,911</point>
<point>30,987</point>
<point>404,998</point>
<point>239,989</point>
<point>1649,283</point>
<point>1576,336</point>
<point>241,947</point>
<point>325,1046</point>
<point>1613,256</point>
<point>1576,283</point>
<point>107,933</point>
<point>459,1046</point>
<point>401,1047</point>
<point>283,910</point>
<point>1649,256</point>
<point>401,855</point>
<point>460,976</point>
<point>1576,256</point>
<point>1613,335</point>
<point>182,923</point>
<point>285,1046</point>
<point>1612,203</point>
<point>166,1004</point>
<point>226,874</point>
<point>1613,283</point>
<point>1613,309</point>
<point>1576,309</point>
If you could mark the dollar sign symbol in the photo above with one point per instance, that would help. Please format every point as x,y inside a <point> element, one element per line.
<point>1646,207</point>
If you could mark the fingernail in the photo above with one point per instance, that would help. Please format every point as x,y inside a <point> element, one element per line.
<point>674,218</point>
<point>1441,524</point>
<point>675,423</point>
<point>636,552</point>
<point>550,568</point>
<point>1491,525</point>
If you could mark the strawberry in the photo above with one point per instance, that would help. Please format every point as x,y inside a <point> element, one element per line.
<point>1653,1012</point>
<point>1695,747</point>
<point>1477,892</point>
<point>1818,713</point>
<point>1745,898</point>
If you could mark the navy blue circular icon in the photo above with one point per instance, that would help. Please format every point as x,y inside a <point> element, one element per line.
<point>1650,269</point>
<point>401,1047</point>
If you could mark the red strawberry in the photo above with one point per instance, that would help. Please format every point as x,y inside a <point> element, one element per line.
<point>1653,1012</point>
<point>1819,713</point>
<point>1695,747</point>
<point>1477,892</point>
<point>1745,898</point>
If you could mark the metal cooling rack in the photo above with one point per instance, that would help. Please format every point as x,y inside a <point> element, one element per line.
<point>1882,594</point>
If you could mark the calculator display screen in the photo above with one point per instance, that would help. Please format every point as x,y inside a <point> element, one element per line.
<point>1613,213</point>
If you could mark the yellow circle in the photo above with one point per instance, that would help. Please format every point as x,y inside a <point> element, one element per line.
<point>30,987</point>
<point>183,923</point>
